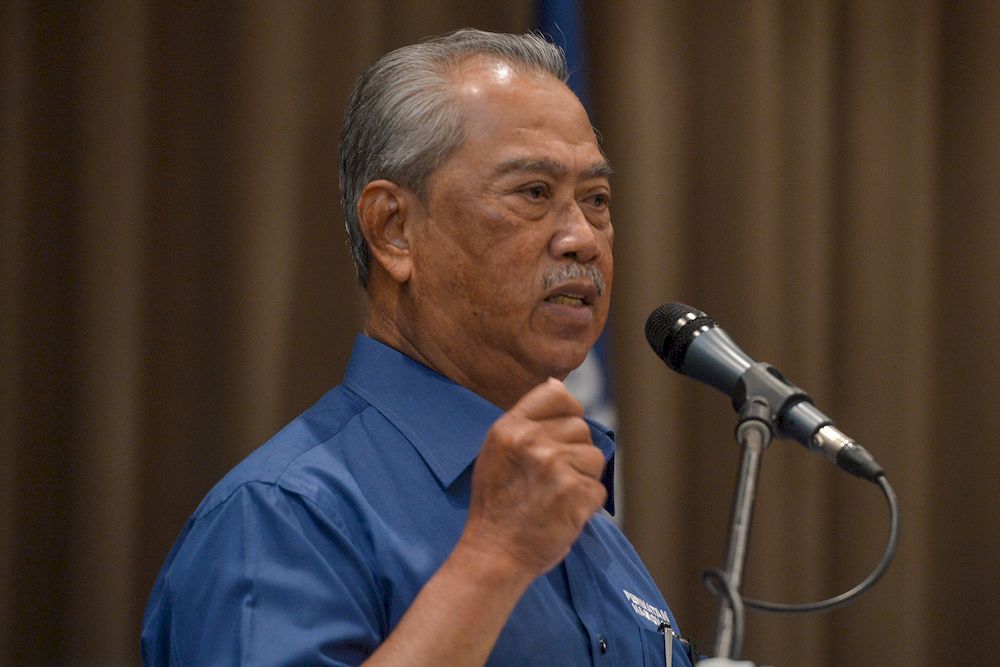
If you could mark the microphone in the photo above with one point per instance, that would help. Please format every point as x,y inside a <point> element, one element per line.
<point>691,343</point>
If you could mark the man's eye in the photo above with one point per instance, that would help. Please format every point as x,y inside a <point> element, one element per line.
<point>536,192</point>
<point>600,200</point>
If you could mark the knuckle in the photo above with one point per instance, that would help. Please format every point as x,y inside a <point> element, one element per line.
<point>545,460</point>
<point>510,432</point>
<point>595,458</point>
<point>580,434</point>
<point>570,404</point>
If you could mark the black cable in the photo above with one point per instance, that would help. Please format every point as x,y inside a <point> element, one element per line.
<point>848,596</point>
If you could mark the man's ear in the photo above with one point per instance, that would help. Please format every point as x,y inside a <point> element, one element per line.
<point>385,212</point>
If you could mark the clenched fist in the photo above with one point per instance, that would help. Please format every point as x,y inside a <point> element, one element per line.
<point>536,482</point>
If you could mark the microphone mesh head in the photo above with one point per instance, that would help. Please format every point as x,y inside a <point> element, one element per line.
<point>670,330</point>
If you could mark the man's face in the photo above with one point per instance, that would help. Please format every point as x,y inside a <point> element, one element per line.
<point>517,225</point>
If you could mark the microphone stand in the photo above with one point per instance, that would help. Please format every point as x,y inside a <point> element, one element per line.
<point>753,434</point>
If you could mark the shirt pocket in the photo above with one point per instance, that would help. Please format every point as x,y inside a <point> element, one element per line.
<point>652,645</point>
<point>653,654</point>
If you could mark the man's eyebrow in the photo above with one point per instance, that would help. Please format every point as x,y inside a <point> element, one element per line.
<point>602,169</point>
<point>538,165</point>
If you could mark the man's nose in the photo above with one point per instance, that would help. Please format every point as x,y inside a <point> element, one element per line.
<point>575,237</point>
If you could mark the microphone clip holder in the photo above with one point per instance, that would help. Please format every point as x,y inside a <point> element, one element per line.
<point>754,431</point>
<point>765,382</point>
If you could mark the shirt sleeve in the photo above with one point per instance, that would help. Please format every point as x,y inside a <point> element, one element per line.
<point>266,578</point>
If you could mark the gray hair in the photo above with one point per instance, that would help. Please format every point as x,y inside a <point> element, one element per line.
<point>400,122</point>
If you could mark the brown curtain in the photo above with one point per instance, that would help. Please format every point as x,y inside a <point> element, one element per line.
<point>823,178</point>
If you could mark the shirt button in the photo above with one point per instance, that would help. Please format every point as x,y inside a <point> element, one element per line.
<point>603,645</point>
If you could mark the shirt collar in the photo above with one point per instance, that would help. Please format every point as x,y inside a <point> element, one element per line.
<point>446,422</point>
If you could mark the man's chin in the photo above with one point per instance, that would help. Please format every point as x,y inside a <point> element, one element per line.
<point>565,359</point>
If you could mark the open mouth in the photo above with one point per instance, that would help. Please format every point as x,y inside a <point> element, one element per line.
<point>567,300</point>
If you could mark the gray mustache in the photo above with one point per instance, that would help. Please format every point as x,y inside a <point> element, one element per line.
<point>565,272</point>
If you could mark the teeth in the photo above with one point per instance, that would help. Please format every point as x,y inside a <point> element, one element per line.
<point>564,300</point>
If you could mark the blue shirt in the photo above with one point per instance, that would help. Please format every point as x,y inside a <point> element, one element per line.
<point>311,550</point>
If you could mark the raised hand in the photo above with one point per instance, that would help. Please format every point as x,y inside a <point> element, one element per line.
<point>536,482</point>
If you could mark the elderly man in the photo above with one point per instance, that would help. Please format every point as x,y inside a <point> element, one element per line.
<point>443,506</point>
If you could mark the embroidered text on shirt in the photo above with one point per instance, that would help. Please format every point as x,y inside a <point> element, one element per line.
<point>646,610</point>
